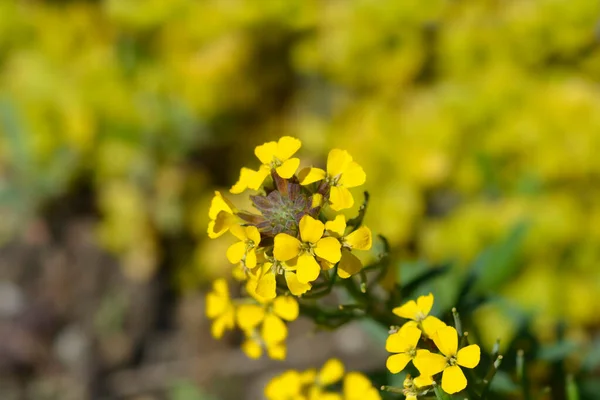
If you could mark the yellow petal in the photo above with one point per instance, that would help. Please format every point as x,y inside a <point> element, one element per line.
<point>223,323</point>
<point>252,348</point>
<point>355,384</point>
<point>266,152</point>
<point>331,372</point>
<point>316,200</point>
<point>296,287</point>
<point>431,325</point>
<point>397,362</point>
<point>349,264</point>
<point>249,315</point>
<point>404,340</point>
<point>468,356</point>
<point>215,305</point>
<point>286,307</point>
<point>337,226</point>
<point>286,247</point>
<point>306,176</point>
<point>246,176</point>
<point>453,380</point>
<point>273,329</point>
<point>352,176</point>
<point>446,340</point>
<point>340,198</point>
<point>329,248</point>
<point>311,230</point>
<point>287,146</point>
<point>429,363</point>
<point>287,385</point>
<point>266,286</point>
<point>425,303</point>
<point>307,268</point>
<point>360,239</point>
<point>256,180</point>
<point>218,204</point>
<point>422,381</point>
<point>276,351</point>
<point>253,234</point>
<point>288,168</point>
<point>239,232</point>
<point>236,252</point>
<point>250,259</point>
<point>408,310</point>
<point>337,162</point>
<point>221,224</point>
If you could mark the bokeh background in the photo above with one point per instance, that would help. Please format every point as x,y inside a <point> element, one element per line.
<point>476,121</point>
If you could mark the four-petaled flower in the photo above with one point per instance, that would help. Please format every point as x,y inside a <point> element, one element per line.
<point>220,309</point>
<point>245,249</point>
<point>429,364</point>
<point>342,173</point>
<point>360,239</point>
<point>272,155</point>
<point>299,255</point>
<point>418,312</point>
<point>404,343</point>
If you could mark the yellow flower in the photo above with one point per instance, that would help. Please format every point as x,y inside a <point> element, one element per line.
<point>360,239</point>
<point>222,216</point>
<point>419,313</point>
<point>404,343</point>
<point>273,331</point>
<point>429,364</point>
<point>220,309</point>
<point>272,155</point>
<point>331,373</point>
<point>301,254</point>
<point>245,249</point>
<point>296,287</point>
<point>342,173</point>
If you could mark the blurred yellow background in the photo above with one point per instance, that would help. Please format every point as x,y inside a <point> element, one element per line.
<point>469,118</point>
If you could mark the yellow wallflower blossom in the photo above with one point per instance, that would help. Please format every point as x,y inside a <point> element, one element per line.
<point>273,155</point>
<point>273,331</point>
<point>245,249</point>
<point>331,373</point>
<point>220,309</point>
<point>404,343</point>
<point>418,312</point>
<point>342,173</point>
<point>262,284</point>
<point>360,239</point>
<point>411,386</point>
<point>429,364</point>
<point>222,216</point>
<point>303,252</point>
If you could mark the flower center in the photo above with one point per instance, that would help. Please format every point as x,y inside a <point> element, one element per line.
<point>420,316</point>
<point>412,352</point>
<point>307,248</point>
<point>451,361</point>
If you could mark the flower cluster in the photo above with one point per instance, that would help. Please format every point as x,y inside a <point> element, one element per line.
<point>290,241</point>
<point>317,385</point>
<point>411,342</point>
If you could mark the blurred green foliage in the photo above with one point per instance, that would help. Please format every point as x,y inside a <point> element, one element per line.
<point>471,118</point>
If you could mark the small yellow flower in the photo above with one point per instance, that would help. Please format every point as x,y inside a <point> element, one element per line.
<point>220,308</point>
<point>262,284</point>
<point>273,331</point>
<point>360,239</point>
<point>331,373</point>
<point>301,254</point>
<point>404,343</point>
<point>342,173</point>
<point>245,249</point>
<point>222,216</point>
<point>412,386</point>
<point>419,313</point>
<point>272,155</point>
<point>429,364</point>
